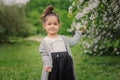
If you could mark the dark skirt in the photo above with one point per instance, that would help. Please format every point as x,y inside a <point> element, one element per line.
<point>62,67</point>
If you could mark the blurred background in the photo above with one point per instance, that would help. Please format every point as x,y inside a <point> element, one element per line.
<point>96,56</point>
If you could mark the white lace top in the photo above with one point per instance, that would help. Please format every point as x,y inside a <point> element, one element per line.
<point>55,44</point>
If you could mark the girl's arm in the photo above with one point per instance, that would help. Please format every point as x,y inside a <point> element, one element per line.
<point>75,39</point>
<point>45,55</point>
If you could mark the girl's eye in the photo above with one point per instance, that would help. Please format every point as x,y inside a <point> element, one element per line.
<point>52,23</point>
<point>49,23</point>
<point>55,23</point>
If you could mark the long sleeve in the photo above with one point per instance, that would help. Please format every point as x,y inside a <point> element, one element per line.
<point>44,54</point>
<point>75,39</point>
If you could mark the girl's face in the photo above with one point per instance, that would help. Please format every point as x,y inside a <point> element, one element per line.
<point>51,25</point>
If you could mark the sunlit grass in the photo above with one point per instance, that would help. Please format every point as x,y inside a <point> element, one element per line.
<point>22,61</point>
<point>95,67</point>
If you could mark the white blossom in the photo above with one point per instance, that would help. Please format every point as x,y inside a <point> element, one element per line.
<point>78,26</point>
<point>113,4</point>
<point>81,1</point>
<point>104,1</point>
<point>96,46</point>
<point>70,30</point>
<point>104,18</point>
<point>111,18</point>
<point>86,44</point>
<point>111,35</point>
<point>116,8</point>
<point>101,52</point>
<point>92,17</point>
<point>115,49</point>
<point>117,52</point>
<point>70,9</point>
<point>94,49</point>
<point>73,3</point>
<point>85,51</point>
<point>104,32</point>
<point>100,47</point>
<point>87,9</point>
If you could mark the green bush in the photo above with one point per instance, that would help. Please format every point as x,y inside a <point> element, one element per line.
<point>13,22</point>
<point>102,19</point>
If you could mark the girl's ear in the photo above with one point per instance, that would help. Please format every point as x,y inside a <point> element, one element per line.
<point>59,24</point>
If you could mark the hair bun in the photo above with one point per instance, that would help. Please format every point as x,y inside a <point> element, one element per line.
<point>49,9</point>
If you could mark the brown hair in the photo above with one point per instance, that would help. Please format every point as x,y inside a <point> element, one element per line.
<point>48,12</point>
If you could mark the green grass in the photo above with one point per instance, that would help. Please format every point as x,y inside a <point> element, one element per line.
<point>22,61</point>
<point>95,67</point>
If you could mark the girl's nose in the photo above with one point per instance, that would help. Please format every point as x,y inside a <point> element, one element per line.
<point>52,25</point>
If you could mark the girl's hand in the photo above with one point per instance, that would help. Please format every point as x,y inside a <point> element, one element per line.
<point>83,30</point>
<point>48,68</point>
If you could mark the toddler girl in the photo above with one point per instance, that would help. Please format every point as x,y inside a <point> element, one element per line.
<point>55,49</point>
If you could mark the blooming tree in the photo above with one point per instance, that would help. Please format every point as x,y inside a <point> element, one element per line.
<point>102,20</point>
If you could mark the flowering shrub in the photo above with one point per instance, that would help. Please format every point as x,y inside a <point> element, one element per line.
<point>102,20</point>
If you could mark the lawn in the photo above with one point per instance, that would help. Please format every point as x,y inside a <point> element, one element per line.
<point>22,61</point>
